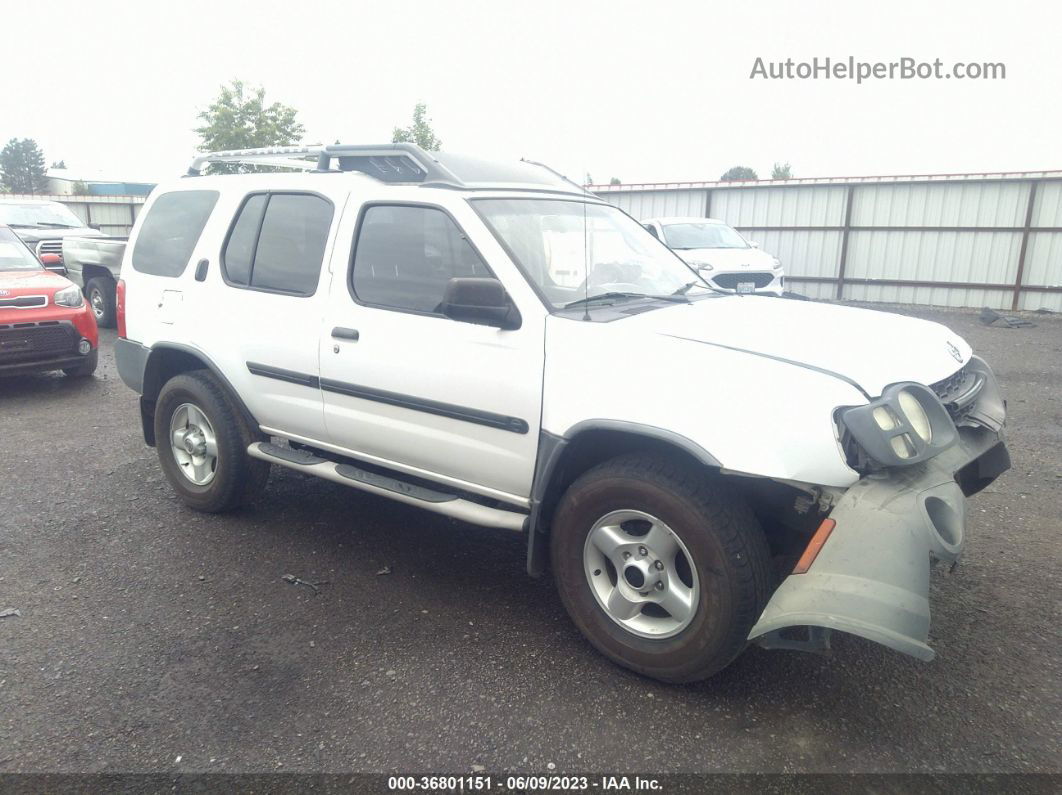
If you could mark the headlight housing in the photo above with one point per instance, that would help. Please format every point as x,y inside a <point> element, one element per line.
<point>906,425</point>
<point>701,266</point>
<point>69,296</point>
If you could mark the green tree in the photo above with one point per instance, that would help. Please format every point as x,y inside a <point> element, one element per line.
<point>615,181</point>
<point>420,132</point>
<point>738,173</point>
<point>22,167</point>
<point>240,119</point>
<point>58,164</point>
<point>80,188</point>
<point>782,171</point>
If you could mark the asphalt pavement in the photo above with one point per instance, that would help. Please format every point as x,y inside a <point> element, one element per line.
<point>152,638</point>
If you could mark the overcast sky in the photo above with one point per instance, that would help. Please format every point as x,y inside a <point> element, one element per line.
<point>645,91</point>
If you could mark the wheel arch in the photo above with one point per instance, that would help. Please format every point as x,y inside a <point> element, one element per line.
<point>167,360</point>
<point>562,459</point>
<point>91,271</point>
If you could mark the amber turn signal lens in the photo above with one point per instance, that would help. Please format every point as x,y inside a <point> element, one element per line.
<point>814,546</point>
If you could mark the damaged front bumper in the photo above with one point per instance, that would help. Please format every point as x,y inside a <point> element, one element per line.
<point>871,576</point>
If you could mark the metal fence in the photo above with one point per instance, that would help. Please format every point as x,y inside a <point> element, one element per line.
<point>114,215</point>
<point>948,240</point>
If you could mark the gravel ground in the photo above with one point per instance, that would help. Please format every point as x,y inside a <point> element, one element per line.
<point>155,639</point>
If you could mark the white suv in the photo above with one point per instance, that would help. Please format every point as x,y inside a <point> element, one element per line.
<point>488,342</point>
<point>721,255</point>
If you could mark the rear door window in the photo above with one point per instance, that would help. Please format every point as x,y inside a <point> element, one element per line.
<point>170,231</point>
<point>277,243</point>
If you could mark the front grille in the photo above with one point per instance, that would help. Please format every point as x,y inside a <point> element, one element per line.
<point>24,302</point>
<point>50,247</point>
<point>21,342</point>
<point>730,281</point>
<point>958,392</point>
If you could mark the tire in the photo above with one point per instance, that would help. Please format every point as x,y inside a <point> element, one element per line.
<point>727,574</point>
<point>233,478</point>
<point>102,298</point>
<point>86,368</point>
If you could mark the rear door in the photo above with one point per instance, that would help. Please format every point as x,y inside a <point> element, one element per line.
<point>263,298</point>
<point>407,387</point>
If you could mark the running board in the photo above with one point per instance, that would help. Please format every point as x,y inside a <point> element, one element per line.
<point>437,501</point>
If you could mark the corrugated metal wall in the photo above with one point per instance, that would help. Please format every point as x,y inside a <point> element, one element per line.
<point>114,215</point>
<point>951,241</point>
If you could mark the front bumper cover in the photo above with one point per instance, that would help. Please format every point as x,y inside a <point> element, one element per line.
<point>871,577</point>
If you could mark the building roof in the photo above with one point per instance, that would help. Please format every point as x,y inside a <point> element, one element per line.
<point>997,176</point>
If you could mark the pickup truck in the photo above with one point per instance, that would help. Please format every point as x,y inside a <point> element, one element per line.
<point>93,264</point>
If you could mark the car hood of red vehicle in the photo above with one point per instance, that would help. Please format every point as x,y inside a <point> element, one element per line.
<point>26,282</point>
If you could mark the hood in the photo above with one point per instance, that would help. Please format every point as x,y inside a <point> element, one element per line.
<point>34,234</point>
<point>30,282</point>
<point>869,348</point>
<point>729,258</point>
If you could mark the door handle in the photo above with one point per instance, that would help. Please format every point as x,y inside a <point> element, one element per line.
<point>341,333</point>
<point>201,270</point>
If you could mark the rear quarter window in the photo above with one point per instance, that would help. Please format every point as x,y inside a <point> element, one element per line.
<point>170,231</point>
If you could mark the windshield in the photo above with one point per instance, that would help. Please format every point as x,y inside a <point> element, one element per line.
<point>38,214</point>
<point>14,256</point>
<point>694,234</point>
<point>559,243</point>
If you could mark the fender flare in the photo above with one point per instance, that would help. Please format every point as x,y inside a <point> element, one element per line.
<point>551,449</point>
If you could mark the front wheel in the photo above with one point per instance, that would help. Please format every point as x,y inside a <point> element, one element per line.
<point>202,444</point>
<point>662,570</point>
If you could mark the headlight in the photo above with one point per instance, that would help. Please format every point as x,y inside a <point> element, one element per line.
<point>906,425</point>
<point>701,266</point>
<point>69,296</point>
<point>777,263</point>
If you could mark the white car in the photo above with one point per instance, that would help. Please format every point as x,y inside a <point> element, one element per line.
<point>720,253</point>
<point>702,470</point>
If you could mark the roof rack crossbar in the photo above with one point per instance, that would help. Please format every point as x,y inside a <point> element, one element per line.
<point>278,156</point>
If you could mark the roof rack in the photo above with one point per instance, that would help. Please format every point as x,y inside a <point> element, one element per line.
<point>401,163</point>
<point>277,156</point>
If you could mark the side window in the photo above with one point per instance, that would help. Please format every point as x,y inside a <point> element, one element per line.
<point>277,242</point>
<point>405,256</point>
<point>171,230</point>
<point>652,230</point>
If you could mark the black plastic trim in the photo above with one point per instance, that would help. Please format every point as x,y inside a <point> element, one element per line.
<point>290,454</point>
<point>393,484</point>
<point>131,359</point>
<point>475,416</point>
<point>280,374</point>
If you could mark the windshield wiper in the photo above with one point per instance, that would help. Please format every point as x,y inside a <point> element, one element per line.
<point>55,223</point>
<point>675,298</point>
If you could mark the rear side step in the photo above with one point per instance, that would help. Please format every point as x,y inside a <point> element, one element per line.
<point>433,500</point>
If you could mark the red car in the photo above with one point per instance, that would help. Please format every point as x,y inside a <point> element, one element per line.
<point>45,323</point>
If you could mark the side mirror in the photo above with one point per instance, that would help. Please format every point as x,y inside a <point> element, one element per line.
<point>54,263</point>
<point>480,301</point>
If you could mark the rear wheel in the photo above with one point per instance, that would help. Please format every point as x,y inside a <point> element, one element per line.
<point>101,295</point>
<point>663,570</point>
<point>202,444</point>
<point>86,368</point>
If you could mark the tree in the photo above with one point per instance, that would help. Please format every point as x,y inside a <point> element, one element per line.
<point>738,173</point>
<point>58,164</point>
<point>615,181</point>
<point>79,188</point>
<point>22,167</point>
<point>240,119</point>
<point>782,171</point>
<point>420,132</point>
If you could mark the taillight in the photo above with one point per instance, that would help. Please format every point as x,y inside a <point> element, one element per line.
<point>120,307</point>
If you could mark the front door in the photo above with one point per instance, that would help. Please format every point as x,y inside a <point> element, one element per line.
<point>409,388</point>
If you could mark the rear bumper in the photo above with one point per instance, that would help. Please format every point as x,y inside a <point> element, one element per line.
<point>871,577</point>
